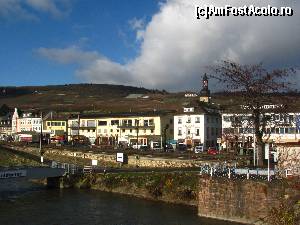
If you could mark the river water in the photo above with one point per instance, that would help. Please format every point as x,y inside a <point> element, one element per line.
<point>41,206</point>
<point>25,203</point>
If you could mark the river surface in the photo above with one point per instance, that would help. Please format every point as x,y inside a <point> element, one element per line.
<point>40,206</point>
<point>26,203</point>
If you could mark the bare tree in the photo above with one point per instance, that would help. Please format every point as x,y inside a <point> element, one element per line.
<point>256,87</point>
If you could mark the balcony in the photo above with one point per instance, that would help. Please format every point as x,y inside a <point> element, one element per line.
<point>135,126</point>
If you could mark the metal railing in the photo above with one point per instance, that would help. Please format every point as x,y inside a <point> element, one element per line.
<point>248,173</point>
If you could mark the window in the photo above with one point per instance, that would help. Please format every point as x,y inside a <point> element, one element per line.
<point>281,130</point>
<point>105,131</point>
<point>130,130</point>
<point>151,122</point>
<point>286,130</point>
<point>90,123</point>
<point>197,119</point>
<point>102,123</point>
<point>277,130</point>
<point>48,124</point>
<point>127,123</point>
<point>115,122</point>
<point>188,131</point>
<point>152,131</point>
<point>171,121</point>
<point>207,119</point>
<point>179,132</point>
<point>63,123</point>
<point>188,120</point>
<point>123,130</point>
<point>179,121</point>
<point>144,131</point>
<point>292,130</point>
<point>111,130</point>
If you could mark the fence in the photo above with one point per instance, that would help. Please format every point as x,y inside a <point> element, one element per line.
<point>248,173</point>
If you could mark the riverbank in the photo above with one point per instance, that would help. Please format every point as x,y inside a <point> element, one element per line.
<point>10,159</point>
<point>175,187</point>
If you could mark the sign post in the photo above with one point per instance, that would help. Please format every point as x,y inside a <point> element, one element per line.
<point>267,156</point>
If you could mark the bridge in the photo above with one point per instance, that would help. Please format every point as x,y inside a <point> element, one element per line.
<point>10,177</point>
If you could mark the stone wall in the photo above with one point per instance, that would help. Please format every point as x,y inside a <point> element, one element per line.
<point>289,159</point>
<point>245,201</point>
<point>133,160</point>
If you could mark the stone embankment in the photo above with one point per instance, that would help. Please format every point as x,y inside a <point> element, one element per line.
<point>250,201</point>
<point>110,159</point>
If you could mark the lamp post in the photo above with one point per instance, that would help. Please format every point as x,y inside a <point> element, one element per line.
<point>165,136</point>
<point>137,132</point>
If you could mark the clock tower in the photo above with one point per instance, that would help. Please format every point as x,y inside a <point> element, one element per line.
<point>205,92</point>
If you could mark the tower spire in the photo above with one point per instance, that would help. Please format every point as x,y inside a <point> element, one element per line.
<point>205,92</point>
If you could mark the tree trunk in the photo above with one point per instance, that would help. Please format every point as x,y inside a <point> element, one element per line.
<point>260,154</point>
<point>259,137</point>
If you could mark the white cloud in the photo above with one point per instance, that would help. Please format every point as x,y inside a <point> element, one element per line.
<point>68,55</point>
<point>26,9</point>
<point>136,24</point>
<point>44,5</point>
<point>176,48</point>
<point>12,9</point>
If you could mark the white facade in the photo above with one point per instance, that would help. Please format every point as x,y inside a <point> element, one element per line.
<point>192,128</point>
<point>281,129</point>
<point>15,123</point>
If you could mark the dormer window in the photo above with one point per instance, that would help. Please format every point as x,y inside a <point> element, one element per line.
<point>191,109</point>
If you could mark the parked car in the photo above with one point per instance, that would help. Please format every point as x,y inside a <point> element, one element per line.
<point>212,151</point>
<point>169,148</point>
<point>144,148</point>
<point>181,147</point>
<point>198,148</point>
<point>155,146</point>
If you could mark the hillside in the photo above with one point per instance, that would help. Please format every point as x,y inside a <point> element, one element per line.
<point>85,97</point>
<point>108,98</point>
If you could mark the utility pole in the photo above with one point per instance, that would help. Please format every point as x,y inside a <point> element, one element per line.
<point>254,150</point>
<point>78,127</point>
<point>41,137</point>
<point>137,132</point>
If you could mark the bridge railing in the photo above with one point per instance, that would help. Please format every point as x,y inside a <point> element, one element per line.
<point>69,168</point>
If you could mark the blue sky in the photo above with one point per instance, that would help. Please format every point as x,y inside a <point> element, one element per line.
<point>95,25</point>
<point>150,43</point>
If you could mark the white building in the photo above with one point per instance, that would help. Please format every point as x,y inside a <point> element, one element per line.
<point>27,122</point>
<point>281,128</point>
<point>197,125</point>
